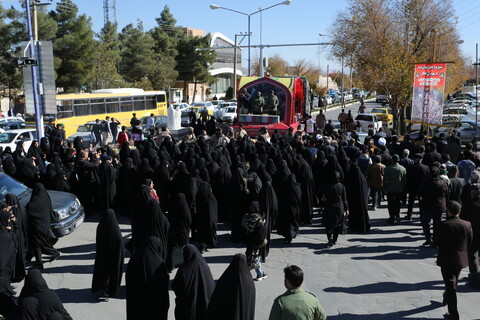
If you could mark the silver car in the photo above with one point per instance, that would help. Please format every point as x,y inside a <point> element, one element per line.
<point>68,214</point>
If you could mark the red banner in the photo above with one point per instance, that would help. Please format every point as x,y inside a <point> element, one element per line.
<point>428,90</point>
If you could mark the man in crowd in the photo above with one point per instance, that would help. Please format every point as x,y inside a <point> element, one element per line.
<point>105,130</point>
<point>96,132</point>
<point>433,194</point>
<point>471,213</point>
<point>320,120</point>
<point>342,118</point>
<point>453,238</point>
<point>395,183</point>
<point>296,303</point>
<point>258,104</point>
<point>415,176</point>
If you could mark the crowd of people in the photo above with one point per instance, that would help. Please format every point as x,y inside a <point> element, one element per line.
<point>175,192</point>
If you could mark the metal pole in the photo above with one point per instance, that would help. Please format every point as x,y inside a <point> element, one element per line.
<point>35,21</point>
<point>262,72</point>
<point>235,68</point>
<point>343,78</point>
<point>327,78</point>
<point>249,36</point>
<point>476,91</point>
<point>38,111</point>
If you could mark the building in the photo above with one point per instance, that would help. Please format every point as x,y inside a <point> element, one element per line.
<point>222,69</point>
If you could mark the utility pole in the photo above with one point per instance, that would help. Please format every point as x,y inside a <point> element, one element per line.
<point>476,92</point>
<point>36,99</point>
<point>327,77</point>
<point>343,80</point>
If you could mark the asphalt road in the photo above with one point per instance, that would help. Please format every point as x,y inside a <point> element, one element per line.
<point>381,275</point>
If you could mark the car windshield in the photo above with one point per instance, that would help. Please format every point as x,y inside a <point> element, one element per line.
<point>199,104</point>
<point>85,128</point>
<point>7,137</point>
<point>9,185</point>
<point>364,117</point>
<point>379,111</point>
<point>229,110</point>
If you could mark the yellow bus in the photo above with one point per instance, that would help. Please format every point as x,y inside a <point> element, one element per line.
<point>76,109</point>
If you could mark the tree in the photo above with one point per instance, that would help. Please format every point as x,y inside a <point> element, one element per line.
<point>47,26</point>
<point>193,64</point>
<point>277,66</point>
<point>384,38</point>
<point>137,53</point>
<point>165,37</point>
<point>107,58</point>
<point>74,47</point>
<point>304,68</point>
<point>11,32</point>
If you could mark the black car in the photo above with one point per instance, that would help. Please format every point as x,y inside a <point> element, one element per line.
<point>67,213</point>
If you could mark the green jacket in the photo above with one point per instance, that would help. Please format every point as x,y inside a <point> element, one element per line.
<point>297,304</point>
<point>395,178</point>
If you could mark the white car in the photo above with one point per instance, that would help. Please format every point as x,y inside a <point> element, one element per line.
<point>228,114</point>
<point>381,98</point>
<point>12,137</point>
<point>180,106</point>
<point>368,121</point>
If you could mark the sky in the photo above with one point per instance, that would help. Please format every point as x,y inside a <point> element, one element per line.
<point>300,22</point>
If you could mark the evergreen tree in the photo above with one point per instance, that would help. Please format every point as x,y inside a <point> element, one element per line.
<point>137,55</point>
<point>74,47</point>
<point>193,64</point>
<point>107,58</point>
<point>11,33</point>
<point>165,37</point>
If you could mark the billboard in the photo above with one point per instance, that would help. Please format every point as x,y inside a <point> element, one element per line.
<point>428,90</point>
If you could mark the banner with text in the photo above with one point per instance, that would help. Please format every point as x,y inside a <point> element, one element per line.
<point>428,89</point>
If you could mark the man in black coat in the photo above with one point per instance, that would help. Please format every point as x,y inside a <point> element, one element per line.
<point>453,238</point>
<point>471,213</point>
<point>432,156</point>
<point>456,184</point>
<point>433,199</point>
<point>415,176</point>
<point>88,179</point>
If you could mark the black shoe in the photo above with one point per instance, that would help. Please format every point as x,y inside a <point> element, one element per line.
<point>408,217</point>
<point>391,221</point>
<point>38,265</point>
<point>55,256</point>
<point>330,243</point>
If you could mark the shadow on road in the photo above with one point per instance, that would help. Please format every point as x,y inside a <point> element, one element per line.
<point>388,287</point>
<point>406,314</point>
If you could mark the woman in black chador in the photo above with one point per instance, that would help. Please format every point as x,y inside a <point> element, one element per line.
<point>179,233</point>
<point>147,282</point>
<point>289,202</point>
<point>154,223</point>
<point>234,295</point>
<point>7,247</point>
<point>207,218</point>
<point>193,286</point>
<point>335,199</point>
<point>21,235</point>
<point>39,209</point>
<point>108,268</point>
<point>357,190</point>
<point>48,300</point>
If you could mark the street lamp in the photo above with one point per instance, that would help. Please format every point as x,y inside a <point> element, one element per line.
<point>215,7</point>
<point>476,91</point>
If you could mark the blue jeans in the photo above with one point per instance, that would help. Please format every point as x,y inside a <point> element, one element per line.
<point>259,270</point>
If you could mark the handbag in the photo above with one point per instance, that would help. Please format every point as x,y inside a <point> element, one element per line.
<point>345,225</point>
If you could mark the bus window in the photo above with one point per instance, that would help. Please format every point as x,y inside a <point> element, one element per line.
<point>81,110</point>
<point>125,104</point>
<point>64,109</point>
<point>161,98</point>
<point>97,106</point>
<point>138,103</point>
<point>112,105</point>
<point>150,102</point>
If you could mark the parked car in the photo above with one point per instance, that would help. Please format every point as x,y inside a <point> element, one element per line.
<point>228,114</point>
<point>85,131</point>
<point>68,214</point>
<point>12,137</point>
<point>12,123</point>
<point>205,104</point>
<point>381,98</point>
<point>368,121</point>
<point>465,128</point>
<point>180,106</point>
<point>384,114</point>
<point>446,119</point>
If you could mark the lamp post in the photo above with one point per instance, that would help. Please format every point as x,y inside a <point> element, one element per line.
<point>476,90</point>
<point>36,99</point>
<point>214,7</point>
